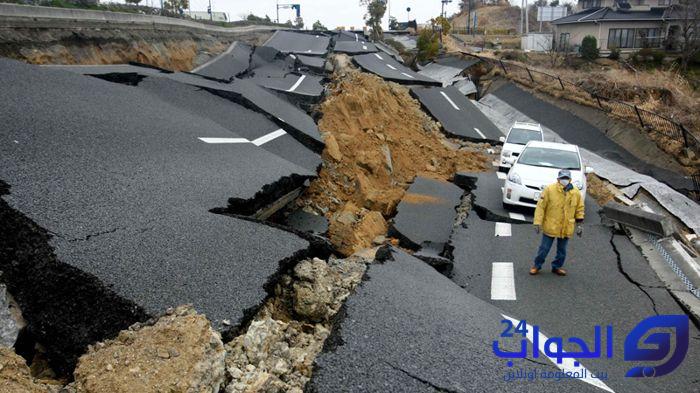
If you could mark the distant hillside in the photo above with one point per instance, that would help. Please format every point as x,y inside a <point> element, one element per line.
<point>498,19</point>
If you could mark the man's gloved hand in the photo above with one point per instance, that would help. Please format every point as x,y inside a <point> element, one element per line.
<point>579,230</point>
<point>537,229</point>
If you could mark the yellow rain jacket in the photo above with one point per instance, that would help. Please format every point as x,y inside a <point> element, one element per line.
<point>557,210</point>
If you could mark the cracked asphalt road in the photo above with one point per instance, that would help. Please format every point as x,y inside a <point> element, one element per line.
<point>600,289</point>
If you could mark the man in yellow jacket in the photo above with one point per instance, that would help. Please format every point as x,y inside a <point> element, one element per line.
<point>558,211</point>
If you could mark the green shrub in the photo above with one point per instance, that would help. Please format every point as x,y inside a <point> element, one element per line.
<point>428,45</point>
<point>514,55</point>
<point>614,53</point>
<point>658,56</point>
<point>589,48</point>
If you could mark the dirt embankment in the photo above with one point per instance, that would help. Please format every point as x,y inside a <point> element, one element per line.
<point>377,140</point>
<point>175,50</point>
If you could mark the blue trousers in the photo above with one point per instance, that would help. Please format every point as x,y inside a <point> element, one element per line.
<point>545,246</point>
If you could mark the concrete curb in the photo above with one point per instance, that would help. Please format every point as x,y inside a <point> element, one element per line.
<point>639,219</point>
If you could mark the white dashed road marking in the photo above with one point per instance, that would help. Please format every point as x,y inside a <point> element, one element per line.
<point>294,86</point>
<point>224,140</point>
<point>391,66</point>
<point>480,133</point>
<point>266,138</point>
<point>503,229</point>
<point>516,216</point>
<point>450,100</point>
<point>379,57</point>
<point>407,75</point>
<point>567,363</point>
<point>257,142</point>
<point>502,281</point>
<point>501,175</point>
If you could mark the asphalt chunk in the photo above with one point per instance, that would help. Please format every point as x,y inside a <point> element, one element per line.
<point>299,43</point>
<point>458,115</point>
<point>388,68</point>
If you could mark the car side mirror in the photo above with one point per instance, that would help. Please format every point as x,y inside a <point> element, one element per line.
<point>589,170</point>
<point>502,139</point>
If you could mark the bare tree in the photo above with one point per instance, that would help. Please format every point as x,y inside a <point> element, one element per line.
<point>374,15</point>
<point>688,13</point>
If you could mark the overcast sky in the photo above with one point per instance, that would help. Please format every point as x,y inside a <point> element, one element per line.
<point>332,13</point>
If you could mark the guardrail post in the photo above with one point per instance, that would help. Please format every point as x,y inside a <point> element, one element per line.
<point>639,116</point>
<point>503,66</point>
<point>560,82</point>
<point>598,99</point>
<point>684,132</point>
<point>529,73</point>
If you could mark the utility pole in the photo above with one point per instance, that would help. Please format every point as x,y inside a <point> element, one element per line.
<point>211,14</point>
<point>527,20</point>
<point>278,12</point>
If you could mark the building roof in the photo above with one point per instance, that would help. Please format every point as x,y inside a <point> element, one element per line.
<point>607,14</point>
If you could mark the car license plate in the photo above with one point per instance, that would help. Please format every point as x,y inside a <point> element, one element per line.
<point>537,196</point>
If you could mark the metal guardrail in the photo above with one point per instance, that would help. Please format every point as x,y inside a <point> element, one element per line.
<point>649,121</point>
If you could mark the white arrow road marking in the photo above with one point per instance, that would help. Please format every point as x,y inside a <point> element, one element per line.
<point>503,229</point>
<point>567,362</point>
<point>516,216</point>
<point>267,138</point>
<point>257,142</point>
<point>449,100</point>
<point>480,133</point>
<point>501,175</point>
<point>379,57</point>
<point>224,140</point>
<point>391,66</point>
<point>294,86</point>
<point>502,281</point>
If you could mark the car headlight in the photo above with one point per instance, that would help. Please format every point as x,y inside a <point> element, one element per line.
<point>578,184</point>
<point>514,178</point>
<point>506,153</point>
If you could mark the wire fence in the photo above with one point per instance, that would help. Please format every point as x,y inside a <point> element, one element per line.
<point>672,132</point>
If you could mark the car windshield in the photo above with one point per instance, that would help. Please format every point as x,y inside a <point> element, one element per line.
<point>521,136</point>
<point>550,158</point>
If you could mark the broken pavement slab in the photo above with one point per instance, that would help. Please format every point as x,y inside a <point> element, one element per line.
<point>408,328</point>
<point>299,43</point>
<point>635,217</point>
<point>354,47</point>
<point>447,69</point>
<point>242,122</point>
<point>112,218</point>
<point>458,115</point>
<point>388,68</point>
<point>227,65</point>
<point>486,190</point>
<point>425,218</point>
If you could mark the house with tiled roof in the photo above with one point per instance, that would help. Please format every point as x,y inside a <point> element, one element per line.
<point>628,25</point>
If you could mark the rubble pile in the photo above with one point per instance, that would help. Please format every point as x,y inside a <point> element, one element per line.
<point>377,140</point>
<point>277,351</point>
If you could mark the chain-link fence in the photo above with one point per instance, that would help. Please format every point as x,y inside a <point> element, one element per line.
<point>673,132</point>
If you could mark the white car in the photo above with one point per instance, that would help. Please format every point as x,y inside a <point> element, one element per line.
<point>537,166</point>
<point>518,136</point>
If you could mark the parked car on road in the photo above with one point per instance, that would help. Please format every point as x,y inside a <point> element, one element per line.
<point>537,166</point>
<point>518,136</point>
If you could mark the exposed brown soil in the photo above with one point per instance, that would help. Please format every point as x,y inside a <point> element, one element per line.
<point>180,51</point>
<point>179,352</point>
<point>599,189</point>
<point>371,158</point>
<point>15,376</point>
